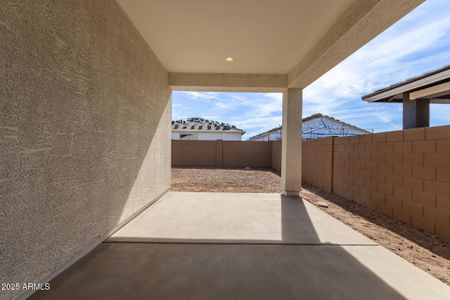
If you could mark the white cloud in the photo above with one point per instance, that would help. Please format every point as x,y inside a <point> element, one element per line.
<point>389,58</point>
<point>223,105</point>
<point>201,95</point>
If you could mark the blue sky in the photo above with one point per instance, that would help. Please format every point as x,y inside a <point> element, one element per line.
<point>418,43</point>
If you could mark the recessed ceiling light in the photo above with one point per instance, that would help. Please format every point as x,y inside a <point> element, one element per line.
<point>229,59</point>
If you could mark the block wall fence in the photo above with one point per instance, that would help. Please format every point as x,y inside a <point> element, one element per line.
<point>404,174</point>
<point>221,154</point>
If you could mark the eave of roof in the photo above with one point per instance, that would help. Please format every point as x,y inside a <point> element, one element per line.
<point>387,94</point>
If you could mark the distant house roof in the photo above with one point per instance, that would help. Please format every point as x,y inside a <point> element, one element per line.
<point>204,125</point>
<point>312,117</point>
<point>434,85</point>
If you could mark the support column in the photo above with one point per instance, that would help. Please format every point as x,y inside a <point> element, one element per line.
<point>291,146</point>
<point>416,113</point>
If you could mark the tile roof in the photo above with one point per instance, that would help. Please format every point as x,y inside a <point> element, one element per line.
<point>200,124</point>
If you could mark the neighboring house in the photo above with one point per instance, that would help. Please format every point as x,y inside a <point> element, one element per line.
<point>315,127</point>
<point>205,130</point>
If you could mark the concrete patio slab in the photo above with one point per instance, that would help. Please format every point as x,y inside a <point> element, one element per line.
<point>215,271</point>
<point>187,217</point>
<point>240,246</point>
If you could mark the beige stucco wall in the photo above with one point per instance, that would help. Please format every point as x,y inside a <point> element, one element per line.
<point>84,131</point>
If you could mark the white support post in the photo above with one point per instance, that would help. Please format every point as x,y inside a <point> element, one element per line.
<point>291,146</point>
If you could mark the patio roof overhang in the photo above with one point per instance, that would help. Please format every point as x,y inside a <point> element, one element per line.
<point>275,44</point>
<point>433,86</point>
<point>260,46</point>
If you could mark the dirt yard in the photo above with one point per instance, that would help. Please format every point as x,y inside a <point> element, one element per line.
<point>422,249</point>
<point>220,180</point>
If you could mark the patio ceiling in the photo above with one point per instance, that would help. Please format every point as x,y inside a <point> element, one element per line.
<point>297,39</point>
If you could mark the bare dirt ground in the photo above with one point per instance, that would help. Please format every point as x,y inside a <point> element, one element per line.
<point>420,248</point>
<point>221,180</point>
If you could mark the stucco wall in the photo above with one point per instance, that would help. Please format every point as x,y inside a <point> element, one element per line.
<point>84,130</point>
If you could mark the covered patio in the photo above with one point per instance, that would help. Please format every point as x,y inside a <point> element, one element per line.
<point>86,153</point>
<point>240,246</point>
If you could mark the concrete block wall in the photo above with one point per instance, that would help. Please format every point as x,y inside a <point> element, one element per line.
<point>247,154</point>
<point>221,154</point>
<point>276,156</point>
<point>317,157</point>
<point>317,163</point>
<point>404,174</point>
<point>196,154</point>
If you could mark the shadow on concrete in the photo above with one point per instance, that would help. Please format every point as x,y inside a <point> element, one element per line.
<point>149,270</point>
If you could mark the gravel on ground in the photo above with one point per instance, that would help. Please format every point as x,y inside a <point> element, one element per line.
<point>420,248</point>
